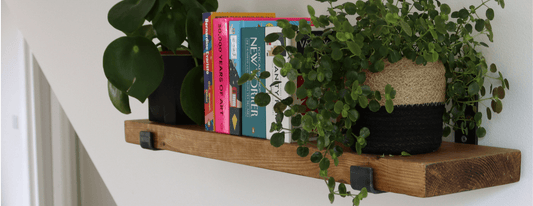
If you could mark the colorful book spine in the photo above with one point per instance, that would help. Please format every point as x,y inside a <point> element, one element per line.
<point>208,60</point>
<point>209,96</point>
<point>221,71</point>
<point>275,75</point>
<point>234,30</point>
<point>253,58</point>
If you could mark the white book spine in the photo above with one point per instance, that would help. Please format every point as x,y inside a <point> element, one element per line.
<point>278,89</point>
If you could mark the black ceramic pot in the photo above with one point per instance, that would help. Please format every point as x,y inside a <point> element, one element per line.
<point>164,103</point>
<point>414,129</point>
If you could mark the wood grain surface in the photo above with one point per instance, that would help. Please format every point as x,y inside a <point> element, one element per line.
<point>453,168</point>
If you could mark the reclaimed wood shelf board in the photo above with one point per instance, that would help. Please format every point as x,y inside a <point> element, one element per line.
<point>453,168</point>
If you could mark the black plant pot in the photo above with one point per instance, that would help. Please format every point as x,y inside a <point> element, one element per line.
<point>415,129</point>
<point>164,103</point>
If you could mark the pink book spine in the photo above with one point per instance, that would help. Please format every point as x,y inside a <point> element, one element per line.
<point>221,74</point>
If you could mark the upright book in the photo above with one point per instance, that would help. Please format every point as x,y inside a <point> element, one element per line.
<point>253,58</point>
<point>209,75</point>
<point>275,75</point>
<point>235,25</point>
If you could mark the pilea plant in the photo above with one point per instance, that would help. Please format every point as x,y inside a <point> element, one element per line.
<point>133,64</point>
<point>362,35</point>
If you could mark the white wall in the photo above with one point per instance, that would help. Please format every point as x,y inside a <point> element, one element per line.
<point>15,170</point>
<point>68,39</point>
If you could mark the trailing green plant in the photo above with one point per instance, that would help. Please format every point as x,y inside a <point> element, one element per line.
<point>133,64</point>
<point>334,72</point>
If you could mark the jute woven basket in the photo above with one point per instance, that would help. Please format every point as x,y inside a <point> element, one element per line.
<point>415,125</point>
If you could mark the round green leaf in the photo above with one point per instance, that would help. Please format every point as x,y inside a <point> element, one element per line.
<point>336,53</point>
<point>353,115</point>
<point>483,91</point>
<point>287,101</point>
<point>311,10</point>
<point>444,8</point>
<point>290,87</point>
<point>406,28</point>
<point>194,32</point>
<point>279,61</point>
<point>296,120</point>
<point>342,190</point>
<point>264,75</point>
<point>190,95</point>
<point>499,92</point>
<point>389,106</point>
<point>133,65</point>
<point>331,197</point>
<point>243,79</point>
<point>271,38</point>
<point>364,132</point>
<point>374,106</point>
<point>493,68</point>
<point>338,107</point>
<point>350,8</point>
<point>312,103</point>
<point>490,14</point>
<point>354,48</point>
<point>279,107</point>
<point>489,114</point>
<point>473,88</point>
<point>331,184</point>
<point>119,99</point>
<point>480,25</point>
<point>481,132</point>
<point>316,157</point>
<point>170,27</point>
<point>289,32</point>
<point>496,106</point>
<point>324,164</point>
<point>405,154</point>
<point>364,192</point>
<point>363,101</point>
<point>277,139</point>
<point>262,99</point>
<point>302,151</point>
<point>301,93</point>
<point>506,83</point>
<point>356,201</point>
<point>128,15</point>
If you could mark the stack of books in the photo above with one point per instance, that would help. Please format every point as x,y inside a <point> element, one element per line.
<point>233,45</point>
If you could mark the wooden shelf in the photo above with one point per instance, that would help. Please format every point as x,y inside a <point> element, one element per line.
<point>451,169</point>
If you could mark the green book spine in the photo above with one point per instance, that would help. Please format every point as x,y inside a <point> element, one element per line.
<point>253,58</point>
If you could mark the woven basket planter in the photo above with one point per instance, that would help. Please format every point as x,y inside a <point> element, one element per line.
<point>415,125</point>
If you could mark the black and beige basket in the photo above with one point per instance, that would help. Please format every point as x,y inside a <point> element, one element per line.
<point>415,125</point>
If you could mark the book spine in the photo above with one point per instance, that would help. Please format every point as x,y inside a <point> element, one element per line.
<point>235,109</point>
<point>253,52</point>
<point>209,89</point>
<point>275,75</point>
<point>221,75</point>
<point>209,95</point>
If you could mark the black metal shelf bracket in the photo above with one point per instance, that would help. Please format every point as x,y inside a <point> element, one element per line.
<point>470,137</point>
<point>147,140</point>
<point>363,177</point>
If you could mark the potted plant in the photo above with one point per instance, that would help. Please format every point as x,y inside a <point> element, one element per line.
<point>136,66</point>
<point>367,39</point>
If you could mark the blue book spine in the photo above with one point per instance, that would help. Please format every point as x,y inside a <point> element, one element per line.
<point>253,58</point>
